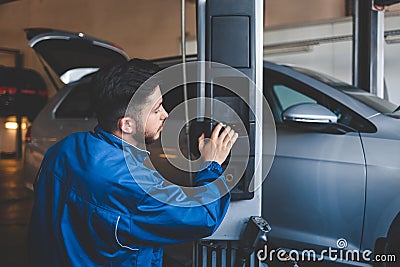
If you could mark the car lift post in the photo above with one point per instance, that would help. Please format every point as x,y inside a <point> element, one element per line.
<point>368,51</point>
<point>368,45</point>
<point>18,65</point>
<point>230,32</point>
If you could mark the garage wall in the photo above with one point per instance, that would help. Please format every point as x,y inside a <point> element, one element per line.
<point>278,12</point>
<point>144,28</point>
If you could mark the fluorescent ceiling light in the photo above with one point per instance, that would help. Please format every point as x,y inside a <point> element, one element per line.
<point>286,50</point>
<point>392,39</point>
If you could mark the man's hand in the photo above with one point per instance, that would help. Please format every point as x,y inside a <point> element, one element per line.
<point>219,145</point>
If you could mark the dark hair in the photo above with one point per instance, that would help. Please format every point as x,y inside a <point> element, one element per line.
<point>114,87</point>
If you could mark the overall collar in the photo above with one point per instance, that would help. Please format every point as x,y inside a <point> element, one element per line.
<point>136,152</point>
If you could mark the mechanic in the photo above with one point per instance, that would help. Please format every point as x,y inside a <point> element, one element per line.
<point>96,204</point>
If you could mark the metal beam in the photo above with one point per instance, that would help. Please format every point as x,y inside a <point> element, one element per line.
<point>368,50</point>
<point>386,2</point>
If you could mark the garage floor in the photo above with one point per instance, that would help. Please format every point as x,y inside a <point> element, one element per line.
<point>15,208</point>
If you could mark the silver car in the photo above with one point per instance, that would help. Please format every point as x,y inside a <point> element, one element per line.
<point>73,57</point>
<point>335,179</point>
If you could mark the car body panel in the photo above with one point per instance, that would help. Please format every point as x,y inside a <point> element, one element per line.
<point>65,51</point>
<point>321,176</point>
<point>47,129</point>
<point>383,179</point>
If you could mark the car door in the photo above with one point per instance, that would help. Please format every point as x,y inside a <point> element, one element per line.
<point>315,190</point>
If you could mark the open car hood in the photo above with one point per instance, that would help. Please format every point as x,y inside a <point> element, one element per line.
<point>73,55</point>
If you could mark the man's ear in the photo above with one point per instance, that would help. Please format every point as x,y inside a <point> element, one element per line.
<point>127,125</point>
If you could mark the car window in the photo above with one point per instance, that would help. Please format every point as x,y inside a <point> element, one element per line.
<point>77,104</point>
<point>288,97</point>
<point>282,92</point>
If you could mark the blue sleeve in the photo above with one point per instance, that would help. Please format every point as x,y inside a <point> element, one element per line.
<point>210,171</point>
<point>171,214</point>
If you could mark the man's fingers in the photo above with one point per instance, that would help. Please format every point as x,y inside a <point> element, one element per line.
<point>230,139</point>
<point>201,141</point>
<point>224,134</point>
<point>219,145</point>
<point>231,133</point>
<point>215,132</point>
<point>233,139</point>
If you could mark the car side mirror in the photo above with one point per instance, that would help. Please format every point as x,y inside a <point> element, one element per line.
<point>309,113</point>
<point>314,117</point>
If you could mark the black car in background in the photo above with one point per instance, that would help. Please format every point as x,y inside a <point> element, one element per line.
<point>22,92</point>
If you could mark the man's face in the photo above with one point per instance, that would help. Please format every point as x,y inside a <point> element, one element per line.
<point>153,117</point>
